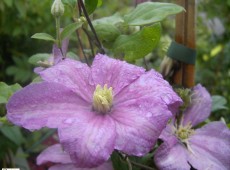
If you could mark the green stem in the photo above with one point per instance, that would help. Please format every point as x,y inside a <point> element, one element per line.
<point>42,139</point>
<point>98,44</point>
<point>90,42</point>
<point>82,48</point>
<point>129,163</point>
<point>141,166</point>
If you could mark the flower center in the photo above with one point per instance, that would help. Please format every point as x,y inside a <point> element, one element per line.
<point>102,99</point>
<point>183,132</point>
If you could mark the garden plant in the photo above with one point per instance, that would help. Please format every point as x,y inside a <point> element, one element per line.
<point>97,102</point>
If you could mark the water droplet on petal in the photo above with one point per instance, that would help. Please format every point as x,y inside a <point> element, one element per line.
<point>68,121</point>
<point>167,98</point>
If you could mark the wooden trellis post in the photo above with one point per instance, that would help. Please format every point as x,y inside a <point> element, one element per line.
<point>185,35</point>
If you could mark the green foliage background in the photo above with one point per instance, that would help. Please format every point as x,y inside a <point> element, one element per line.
<point>20,19</point>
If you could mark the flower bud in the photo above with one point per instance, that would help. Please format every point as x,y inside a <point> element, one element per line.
<point>57,8</point>
<point>185,95</point>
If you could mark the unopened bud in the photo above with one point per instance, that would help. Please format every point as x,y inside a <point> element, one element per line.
<point>57,8</point>
<point>185,95</point>
<point>82,19</point>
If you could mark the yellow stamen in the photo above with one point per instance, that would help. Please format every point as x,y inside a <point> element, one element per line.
<point>184,132</point>
<point>102,99</point>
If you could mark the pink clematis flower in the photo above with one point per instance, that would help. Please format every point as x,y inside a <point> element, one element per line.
<point>57,56</point>
<point>61,159</point>
<point>206,148</point>
<point>110,105</point>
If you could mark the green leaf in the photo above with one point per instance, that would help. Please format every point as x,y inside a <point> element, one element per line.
<point>43,36</point>
<point>9,3</point>
<point>37,79</point>
<point>107,32</point>
<point>6,91</point>
<point>21,7</point>
<point>140,44</point>
<point>100,2</point>
<point>21,70</point>
<point>69,29</point>
<point>112,20</point>
<point>228,125</point>
<point>228,2</point>
<point>41,139</point>
<point>151,12</point>
<point>218,103</point>
<point>13,133</point>
<point>4,120</point>
<point>15,87</point>
<point>73,55</point>
<point>71,3</point>
<point>3,100</point>
<point>118,163</point>
<point>20,159</point>
<point>91,5</point>
<point>34,59</point>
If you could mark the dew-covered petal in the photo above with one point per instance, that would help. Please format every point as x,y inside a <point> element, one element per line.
<point>115,73</point>
<point>65,167</point>
<point>200,107</point>
<point>150,85</point>
<point>37,70</point>
<point>210,147</point>
<point>55,154</point>
<point>104,166</point>
<point>72,74</point>
<point>90,142</point>
<point>138,125</point>
<point>45,104</point>
<point>56,55</point>
<point>64,47</point>
<point>171,155</point>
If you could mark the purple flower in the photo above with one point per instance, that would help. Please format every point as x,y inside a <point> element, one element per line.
<point>57,56</point>
<point>112,105</point>
<point>57,155</point>
<point>203,148</point>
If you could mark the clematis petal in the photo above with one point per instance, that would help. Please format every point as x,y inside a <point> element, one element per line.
<point>153,86</point>
<point>65,167</point>
<point>200,107</point>
<point>210,147</point>
<point>37,70</point>
<point>56,55</point>
<point>54,154</point>
<point>104,166</point>
<point>72,74</point>
<point>45,104</point>
<point>64,47</point>
<point>172,155</point>
<point>139,124</point>
<point>89,142</point>
<point>167,133</point>
<point>114,73</point>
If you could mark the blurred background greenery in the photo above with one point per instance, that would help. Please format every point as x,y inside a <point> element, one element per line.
<point>20,19</point>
